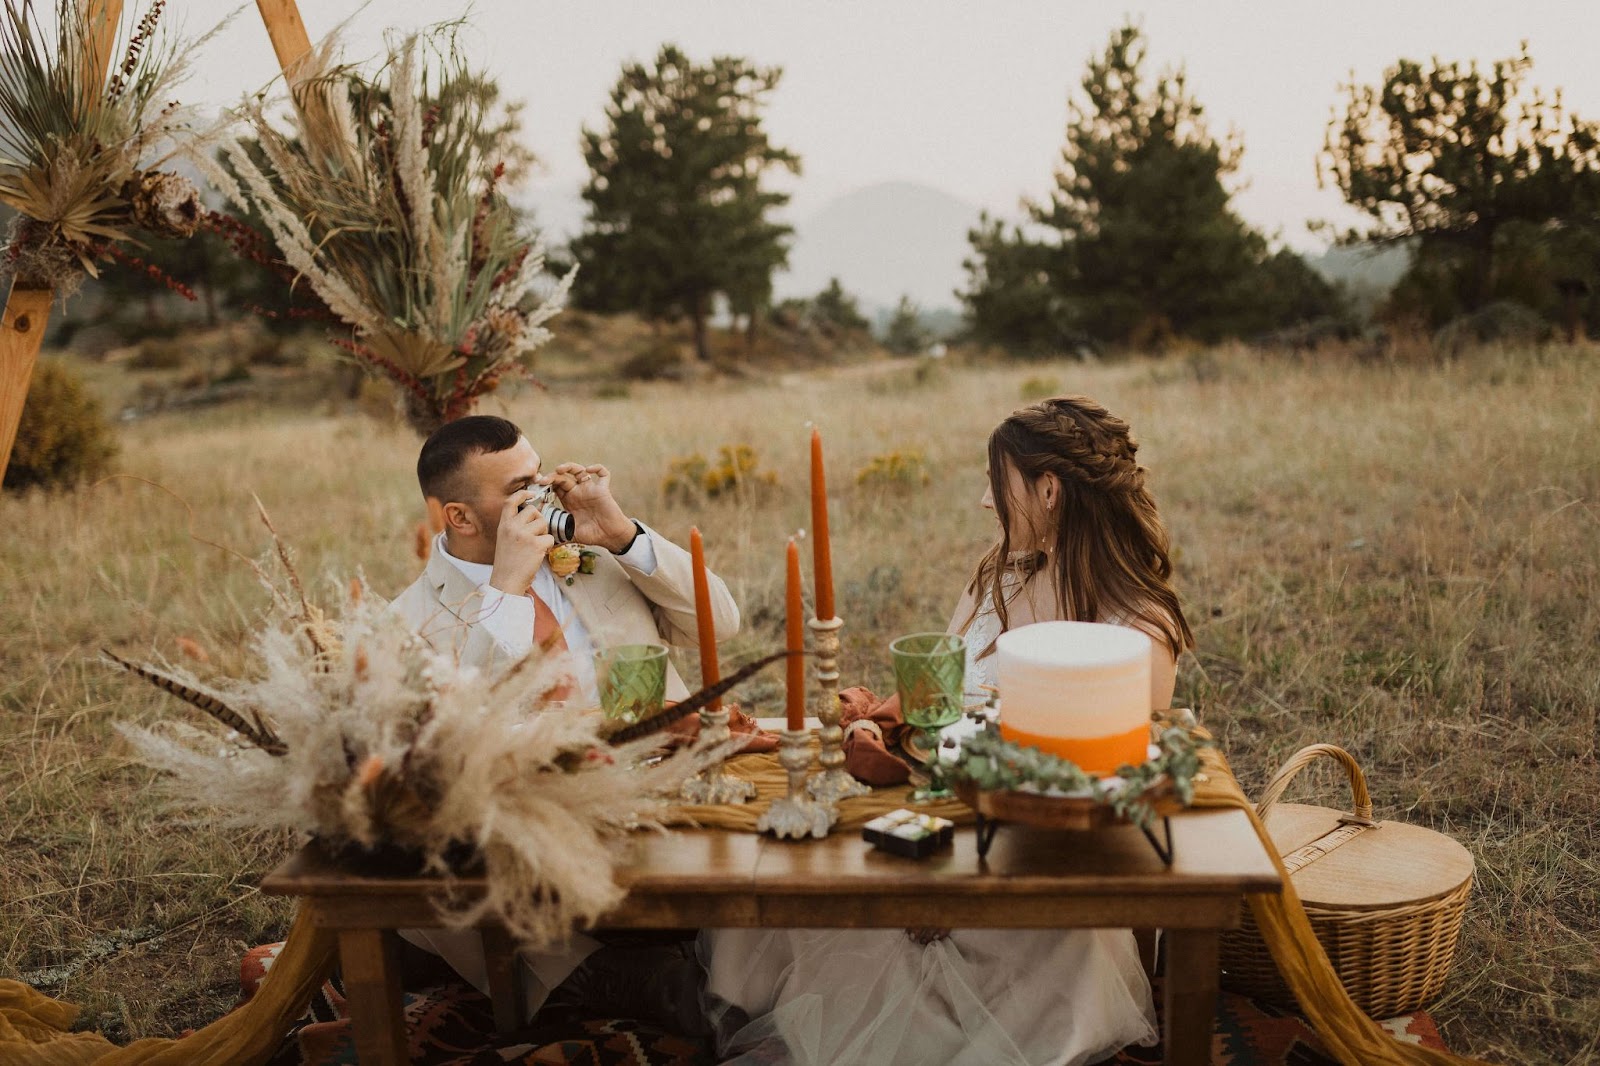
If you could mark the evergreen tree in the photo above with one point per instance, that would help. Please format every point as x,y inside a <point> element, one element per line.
<point>839,308</point>
<point>677,211</point>
<point>1011,298</point>
<point>1138,240</point>
<point>1148,244</point>
<point>905,334</point>
<point>1475,168</point>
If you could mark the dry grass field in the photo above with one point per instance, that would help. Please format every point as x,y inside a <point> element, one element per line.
<point>1402,560</point>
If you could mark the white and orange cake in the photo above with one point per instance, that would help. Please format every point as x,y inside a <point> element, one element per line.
<point>1080,690</point>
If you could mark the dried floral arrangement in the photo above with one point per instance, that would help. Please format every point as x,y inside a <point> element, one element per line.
<point>992,763</point>
<point>378,195</point>
<point>81,155</point>
<point>357,731</point>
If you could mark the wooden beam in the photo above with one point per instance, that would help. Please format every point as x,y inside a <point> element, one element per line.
<point>27,310</point>
<point>288,32</point>
<point>21,331</point>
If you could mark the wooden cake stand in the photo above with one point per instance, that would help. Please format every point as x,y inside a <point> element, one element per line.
<point>1066,812</point>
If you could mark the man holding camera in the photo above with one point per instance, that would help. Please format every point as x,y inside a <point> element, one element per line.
<point>490,594</point>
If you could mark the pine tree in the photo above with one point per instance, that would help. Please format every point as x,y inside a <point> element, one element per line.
<point>1474,167</point>
<point>906,335</point>
<point>839,308</point>
<point>1138,241</point>
<point>1148,242</point>
<point>677,210</point>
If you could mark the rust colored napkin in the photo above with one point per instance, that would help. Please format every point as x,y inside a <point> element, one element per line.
<point>873,732</point>
<point>739,724</point>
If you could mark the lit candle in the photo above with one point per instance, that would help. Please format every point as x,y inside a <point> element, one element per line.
<point>821,559</point>
<point>795,689</point>
<point>702,615</point>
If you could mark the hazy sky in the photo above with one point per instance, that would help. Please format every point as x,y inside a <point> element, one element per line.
<point>969,97</point>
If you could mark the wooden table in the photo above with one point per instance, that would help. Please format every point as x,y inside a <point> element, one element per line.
<point>711,878</point>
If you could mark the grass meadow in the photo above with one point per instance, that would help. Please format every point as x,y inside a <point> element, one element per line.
<point>1401,559</point>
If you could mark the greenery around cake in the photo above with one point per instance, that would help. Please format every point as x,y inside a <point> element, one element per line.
<point>992,763</point>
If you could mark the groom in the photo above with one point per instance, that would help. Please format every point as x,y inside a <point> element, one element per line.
<point>489,593</point>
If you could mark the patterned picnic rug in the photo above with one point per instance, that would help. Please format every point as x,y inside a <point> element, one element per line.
<point>451,1024</point>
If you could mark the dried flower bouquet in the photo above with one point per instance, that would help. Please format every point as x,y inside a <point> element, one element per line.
<point>378,195</point>
<point>357,731</point>
<point>81,153</point>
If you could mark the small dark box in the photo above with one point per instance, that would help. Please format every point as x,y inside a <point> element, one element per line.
<point>909,834</point>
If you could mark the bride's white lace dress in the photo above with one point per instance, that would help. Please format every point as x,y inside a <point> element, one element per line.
<point>979,997</point>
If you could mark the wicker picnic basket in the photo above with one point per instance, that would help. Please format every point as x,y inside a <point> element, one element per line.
<point>1386,900</point>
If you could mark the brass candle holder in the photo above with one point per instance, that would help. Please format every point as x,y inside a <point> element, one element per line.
<point>712,785</point>
<point>797,814</point>
<point>832,782</point>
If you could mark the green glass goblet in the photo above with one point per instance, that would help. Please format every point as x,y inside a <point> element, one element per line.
<point>632,680</point>
<point>929,671</point>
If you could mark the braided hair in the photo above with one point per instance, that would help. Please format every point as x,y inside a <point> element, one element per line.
<point>1108,553</point>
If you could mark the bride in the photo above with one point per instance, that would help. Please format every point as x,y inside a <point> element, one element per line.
<point>1080,538</point>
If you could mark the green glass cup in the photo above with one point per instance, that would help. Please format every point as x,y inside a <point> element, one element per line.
<point>632,680</point>
<point>929,674</point>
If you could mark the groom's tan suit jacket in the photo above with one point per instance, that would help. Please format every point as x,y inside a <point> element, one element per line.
<point>617,604</point>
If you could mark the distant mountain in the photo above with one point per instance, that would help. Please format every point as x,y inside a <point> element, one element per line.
<point>882,242</point>
<point>1375,267</point>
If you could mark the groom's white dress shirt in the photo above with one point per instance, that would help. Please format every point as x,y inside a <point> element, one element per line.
<point>509,619</point>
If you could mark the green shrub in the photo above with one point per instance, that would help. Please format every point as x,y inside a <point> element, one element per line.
<point>691,479</point>
<point>906,469</point>
<point>159,354</point>
<point>1041,388</point>
<point>62,439</point>
<point>660,359</point>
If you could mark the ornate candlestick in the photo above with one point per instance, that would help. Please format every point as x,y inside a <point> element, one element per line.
<point>712,785</point>
<point>797,814</point>
<point>833,782</point>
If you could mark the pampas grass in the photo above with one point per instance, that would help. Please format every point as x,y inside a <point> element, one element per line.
<point>378,195</point>
<point>357,731</point>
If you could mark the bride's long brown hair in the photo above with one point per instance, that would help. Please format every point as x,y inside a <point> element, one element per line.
<point>1109,554</point>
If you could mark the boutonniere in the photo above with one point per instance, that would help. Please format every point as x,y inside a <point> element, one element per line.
<point>569,559</point>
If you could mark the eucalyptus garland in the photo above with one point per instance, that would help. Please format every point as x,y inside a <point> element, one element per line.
<point>993,764</point>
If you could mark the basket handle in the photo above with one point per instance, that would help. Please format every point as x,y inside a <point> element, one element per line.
<point>1305,757</point>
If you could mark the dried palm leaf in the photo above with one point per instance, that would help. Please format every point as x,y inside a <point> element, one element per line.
<point>81,152</point>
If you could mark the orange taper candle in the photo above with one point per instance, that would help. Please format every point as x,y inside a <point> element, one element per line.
<point>794,611</point>
<point>706,625</point>
<point>821,551</point>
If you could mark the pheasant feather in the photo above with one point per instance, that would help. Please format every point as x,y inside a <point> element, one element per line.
<point>259,734</point>
<point>679,711</point>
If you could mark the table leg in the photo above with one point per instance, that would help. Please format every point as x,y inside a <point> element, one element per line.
<point>370,962</point>
<point>1191,995</point>
<point>505,981</point>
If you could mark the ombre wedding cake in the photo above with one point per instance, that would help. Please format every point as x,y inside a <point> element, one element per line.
<point>1080,690</point>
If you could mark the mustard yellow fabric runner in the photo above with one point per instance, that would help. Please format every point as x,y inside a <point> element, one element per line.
<point>35,1030</point>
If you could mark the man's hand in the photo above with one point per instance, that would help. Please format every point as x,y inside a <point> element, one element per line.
<point>596,518</point>
<point>521,543</point>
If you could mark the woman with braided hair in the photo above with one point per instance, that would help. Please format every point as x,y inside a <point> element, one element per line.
<point>1080,539</point>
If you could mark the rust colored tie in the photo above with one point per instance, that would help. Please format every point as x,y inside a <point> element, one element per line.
<point>547,635</point>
